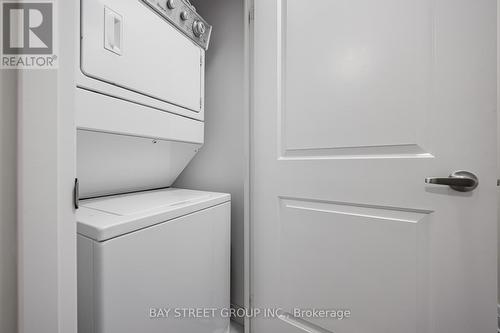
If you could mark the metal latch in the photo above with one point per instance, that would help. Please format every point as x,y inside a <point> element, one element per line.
<point>76,194</point>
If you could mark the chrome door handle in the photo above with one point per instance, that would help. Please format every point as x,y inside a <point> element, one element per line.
<point>461,181</point>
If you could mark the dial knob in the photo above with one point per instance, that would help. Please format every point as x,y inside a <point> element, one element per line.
<point>199,28</point>
<point>184,15</point>
<point>171,4</point>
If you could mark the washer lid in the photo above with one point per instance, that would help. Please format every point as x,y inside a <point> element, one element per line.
<point>109,217</point>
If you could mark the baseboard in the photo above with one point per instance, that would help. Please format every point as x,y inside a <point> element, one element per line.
<point>239,320</point>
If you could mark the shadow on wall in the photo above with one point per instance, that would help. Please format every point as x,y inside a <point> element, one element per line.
<point>219,166</point>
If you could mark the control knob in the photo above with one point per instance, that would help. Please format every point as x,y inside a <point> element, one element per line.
<point>171,4</point>
<point>199,28</point>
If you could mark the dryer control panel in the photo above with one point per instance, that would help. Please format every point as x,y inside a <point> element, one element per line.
<point>182,15</point>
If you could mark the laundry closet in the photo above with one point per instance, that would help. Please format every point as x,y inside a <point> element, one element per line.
<point>161,164</point>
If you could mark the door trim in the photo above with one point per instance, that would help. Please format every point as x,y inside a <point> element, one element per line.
<point>46,173</point>
<point>248,10</point>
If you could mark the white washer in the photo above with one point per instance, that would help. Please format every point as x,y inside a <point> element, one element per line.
<point>163,249</point>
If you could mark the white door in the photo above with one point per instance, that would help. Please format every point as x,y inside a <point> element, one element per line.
<point>356,102</point>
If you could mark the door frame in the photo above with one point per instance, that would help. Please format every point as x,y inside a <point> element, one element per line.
<point>46,172</point>
<point>248,17</point>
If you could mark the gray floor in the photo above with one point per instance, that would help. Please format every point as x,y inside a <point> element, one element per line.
<point>236,328</point>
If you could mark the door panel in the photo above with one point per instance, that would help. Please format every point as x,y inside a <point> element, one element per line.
<point>367,258</point>
<point>355,104</point>
<point>367,58</point>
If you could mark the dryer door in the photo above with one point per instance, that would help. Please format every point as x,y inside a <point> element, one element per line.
<point>127,44</point>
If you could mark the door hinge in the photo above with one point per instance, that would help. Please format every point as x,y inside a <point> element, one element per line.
<point>76,194</point>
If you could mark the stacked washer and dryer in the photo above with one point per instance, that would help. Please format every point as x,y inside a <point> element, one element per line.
<point>148,254</point>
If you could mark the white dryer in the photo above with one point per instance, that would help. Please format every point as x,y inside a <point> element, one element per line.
<point>140,89</point>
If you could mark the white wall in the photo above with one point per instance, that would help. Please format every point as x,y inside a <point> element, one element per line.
<point>8,193</point>
<point>219,166</point>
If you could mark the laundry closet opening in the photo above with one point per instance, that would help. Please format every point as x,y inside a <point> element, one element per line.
<point>161,163</point>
